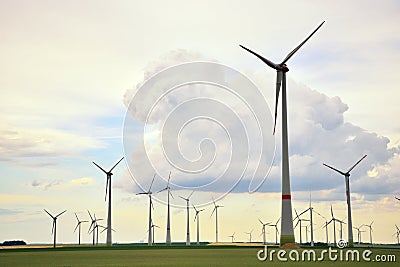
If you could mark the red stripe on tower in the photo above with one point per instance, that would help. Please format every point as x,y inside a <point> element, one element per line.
<point>286,196</point>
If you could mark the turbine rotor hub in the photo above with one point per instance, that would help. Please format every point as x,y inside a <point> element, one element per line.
<point>283,67</point>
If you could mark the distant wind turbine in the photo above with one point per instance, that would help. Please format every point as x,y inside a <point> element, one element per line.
<point>370,231</point>
<point>287,232</point>
<point>168,189</point>
<point>334,220</point>
<point>359,233</point>
<point>310,209</point>
<point>232,237</point>
<point>79,230</point>
<point>148,193</point>
<point>397,234</point>
<point>347,181</point>
<point>93,224</point>
<point>216,219</point>
<point>187,221</point>
<point>54,229</point>
<point>197,217</point>
<point>249,233</point>
<point>276,229</point>
<point>263,231</point>
<point>299,221</point>
<point>108,188</point>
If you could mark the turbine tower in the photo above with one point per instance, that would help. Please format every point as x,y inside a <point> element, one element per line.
<point>276,230</point>
<point>79,225</point>
<point>347,181</point>
<point>187,221</point>
<point>168,188</point>
<point>397,234</point>
<point>232,237</point>
<point>54,229</point>
<point>197,216</point>
<point>287,232</point>
<point>263,231</point>
<point>216,219</point>
<point>108,188</point>
<point>150,238</point>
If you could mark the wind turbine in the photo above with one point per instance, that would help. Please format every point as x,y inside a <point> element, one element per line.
<point>168,188</point>
<point>197,217</point>
<point>359,233</point>
<point>310,209</point>
<point>249,233</point>
<point>370,231</point>
<point>299,220</point>
<point>54,229</point>
<point>94,225</point>
<point>150,239</point>
<point>263,231</point>
<point>397,233</point>
<point>152,227</point>
<point>232,237</point>
<point>108,188</point>
<point>341,229</point>
<point>334,220</point>
<point>326,227</point>
<point>347,181</point>
<point>287,232</point>
<point>79,225</point>
<point>187,222</point>
<point>276,230</point>
<point>216,219</point>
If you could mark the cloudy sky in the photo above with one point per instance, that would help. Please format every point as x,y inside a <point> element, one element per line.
<point>70,69</point>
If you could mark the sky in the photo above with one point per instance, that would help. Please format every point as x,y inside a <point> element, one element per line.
<point>70,70</point>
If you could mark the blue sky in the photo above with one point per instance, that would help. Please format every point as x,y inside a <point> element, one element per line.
<point>68,69</point>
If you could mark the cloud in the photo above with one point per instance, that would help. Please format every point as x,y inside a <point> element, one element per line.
<point>318,133</point>
<point>84,181</point>
<point>24,145</point>
<point>46,185</point>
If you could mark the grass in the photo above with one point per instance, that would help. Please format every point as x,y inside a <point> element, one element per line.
<point>165,256</point>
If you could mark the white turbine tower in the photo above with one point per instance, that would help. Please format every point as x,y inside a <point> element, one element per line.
<point>216,219</point>
<point>168,189</point>
<point>150,238</point>
<point>287,232</point>
<point>347,181</point>
<point>397,234</point>
<point>54,229</point>
<point>108,188</point>
<point>197,217</point>
<point>79,230</point>
<point>187,222</point>
<point>276,230</point>
<point>263,231</point>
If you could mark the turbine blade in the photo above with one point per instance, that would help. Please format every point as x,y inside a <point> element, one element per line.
<point>162,190</point>
<point>152,182</point>
<point>76,217</point>
<point>260,221</point>
<point>278,221</point>
<point>61,213</point>
<point>213,211</point>
<point>397,198</point>
<point>99,167</point>
<point>52,229</point>
<point>116,164</point>
<point>266,61</point>
<point>107,181</point>
<point>304,212</point>
<point>171,194</point>
<point>195,209</point>
<point>169,178</point>
<point>279,76</point>
<point>76,226</point>
<point>330,167</point>
<point>190,194</point>
<point>356,163</point>
<point>48,213</point>
<point>300,45</point>
<point>332,212</point>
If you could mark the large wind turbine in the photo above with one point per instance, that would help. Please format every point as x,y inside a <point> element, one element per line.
<point>168,188</point>
<point>263,231</point>
<point>79,225</point>
<point>370,231</point>
<point>287,232</point>
<point>54,229</point>
<point>187,222</point>
<point>108,188</point>
<point>216,219</point>
<point>150,239</point>
<point>276,230</point>
<point>197,217</point>
<point>347,181</point>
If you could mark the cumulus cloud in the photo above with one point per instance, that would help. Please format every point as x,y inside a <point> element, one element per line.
<point>84,181</point>
<point>318,133</point>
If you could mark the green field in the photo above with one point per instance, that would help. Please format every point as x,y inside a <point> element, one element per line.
<point>166,256</point>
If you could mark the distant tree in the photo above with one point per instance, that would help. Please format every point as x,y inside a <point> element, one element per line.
<point>14,243</point>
